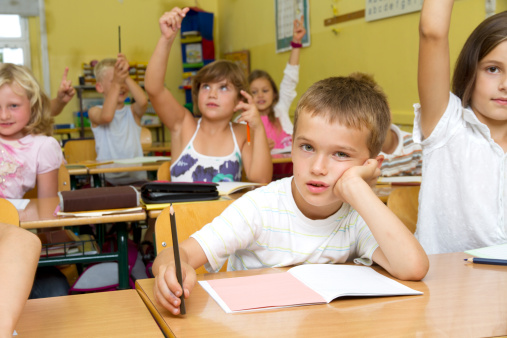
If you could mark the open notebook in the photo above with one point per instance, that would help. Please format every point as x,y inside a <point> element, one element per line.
<point>302,285</point>
<point>227,188</point>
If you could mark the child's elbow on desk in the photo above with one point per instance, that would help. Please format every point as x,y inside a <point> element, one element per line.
<point>418,268</point>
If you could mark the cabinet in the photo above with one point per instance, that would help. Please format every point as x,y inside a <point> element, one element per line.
<point>197,47</point>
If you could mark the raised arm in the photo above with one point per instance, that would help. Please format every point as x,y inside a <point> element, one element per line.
<point>434,65</point>
<point>19,255</point>
<point>299,32</point>
<point>105,114</point>
<point>65,93</point>
<point>170,111</point>
<point>140,100</point>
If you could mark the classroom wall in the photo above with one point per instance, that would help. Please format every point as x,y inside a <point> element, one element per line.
<point>386,48</point>
<point>80,31</point>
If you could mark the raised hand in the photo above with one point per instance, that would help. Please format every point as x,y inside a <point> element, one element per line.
<point>170,22</point>
<point>299,30</point>
<point>65,92</point>
<point>121,69</point>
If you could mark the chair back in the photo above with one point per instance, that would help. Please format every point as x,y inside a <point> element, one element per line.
<point>146,139</point>
<point>190,217</point>
<point>79,150</point>
<point>63,178</point>
<point>404,202</point>
<point>9,214</point>
<point>164,172</point>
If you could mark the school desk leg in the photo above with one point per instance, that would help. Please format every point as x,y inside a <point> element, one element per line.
<point>123,269</point>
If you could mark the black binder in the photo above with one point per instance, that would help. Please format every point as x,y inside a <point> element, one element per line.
<point>168,192</point>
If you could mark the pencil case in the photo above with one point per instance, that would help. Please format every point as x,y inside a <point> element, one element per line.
<point>99,198</point>
<point>168,192</point>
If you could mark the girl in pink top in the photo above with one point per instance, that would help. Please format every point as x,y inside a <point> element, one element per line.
<point>28,154</point>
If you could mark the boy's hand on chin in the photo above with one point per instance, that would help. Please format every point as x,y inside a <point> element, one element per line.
<point>368,172</point>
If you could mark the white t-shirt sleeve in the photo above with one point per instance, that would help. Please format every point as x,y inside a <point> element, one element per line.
<point>450,120</point>
<point>233,230</point>
<point>366,243</point>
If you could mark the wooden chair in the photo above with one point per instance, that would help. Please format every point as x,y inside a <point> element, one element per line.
<point>190,217</point>
<point>63,178</point>
<point>164,172</point>
<point>146,139</point>
<point>9,214</point>
<point>404,202</point>
<point>78,150</point>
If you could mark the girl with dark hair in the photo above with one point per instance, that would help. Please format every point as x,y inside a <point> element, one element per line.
<point>463,133</point>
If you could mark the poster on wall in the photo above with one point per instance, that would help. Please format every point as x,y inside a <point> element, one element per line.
<point>286,11</point>
<point>381,9</point>
<point>241,58</point>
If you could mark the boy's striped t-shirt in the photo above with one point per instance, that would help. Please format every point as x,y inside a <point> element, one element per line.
<point>264,228</point>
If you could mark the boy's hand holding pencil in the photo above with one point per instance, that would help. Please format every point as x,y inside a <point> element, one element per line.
<point>167,290</point>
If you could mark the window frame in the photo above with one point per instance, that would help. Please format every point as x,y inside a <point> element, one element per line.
<point>22,42</point>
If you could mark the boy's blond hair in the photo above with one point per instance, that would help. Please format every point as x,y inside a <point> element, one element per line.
<point>101,67</point>
<point>40,121</point>
<point>217,71</point>
<point>351,102</point>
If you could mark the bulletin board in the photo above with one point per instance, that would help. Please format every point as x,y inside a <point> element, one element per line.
<point>381,9</point>
<point>285,13</point>
<point>241,58</point>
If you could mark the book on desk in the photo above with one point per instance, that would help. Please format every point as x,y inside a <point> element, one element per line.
<point>302,285</point>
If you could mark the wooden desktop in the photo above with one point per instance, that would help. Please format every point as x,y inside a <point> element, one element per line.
<point>103,314</point>
<point>460,299</point>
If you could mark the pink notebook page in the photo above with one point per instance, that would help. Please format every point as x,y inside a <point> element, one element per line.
<point>262,291</point>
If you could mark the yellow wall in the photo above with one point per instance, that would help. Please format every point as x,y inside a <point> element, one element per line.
<point>85,30</point>
<point>81,31</point>
<point>386,48</point>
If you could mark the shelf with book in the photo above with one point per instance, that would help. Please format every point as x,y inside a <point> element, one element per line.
<point>197,47</point>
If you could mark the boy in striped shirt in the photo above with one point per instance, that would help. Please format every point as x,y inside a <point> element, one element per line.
<point>326,213</point>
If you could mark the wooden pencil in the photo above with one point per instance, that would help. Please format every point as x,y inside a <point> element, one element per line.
<point>176,250</point>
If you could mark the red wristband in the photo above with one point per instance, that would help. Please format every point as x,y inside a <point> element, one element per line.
<point>295,44</point>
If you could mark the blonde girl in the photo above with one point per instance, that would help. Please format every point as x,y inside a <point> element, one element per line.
<point>28,154</point>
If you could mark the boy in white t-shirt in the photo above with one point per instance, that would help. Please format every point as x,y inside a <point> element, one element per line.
<point>326,213</point>
<point>116,126</point>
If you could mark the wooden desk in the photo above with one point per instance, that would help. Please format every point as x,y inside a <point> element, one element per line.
<point>117,168</point>
<point>153,213</point>
<point>76,169</point>
<point>459,300</point>
<point>39,213</point>
<point>281,158</point>
<point>103,314</point>
<point>157,146</point>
